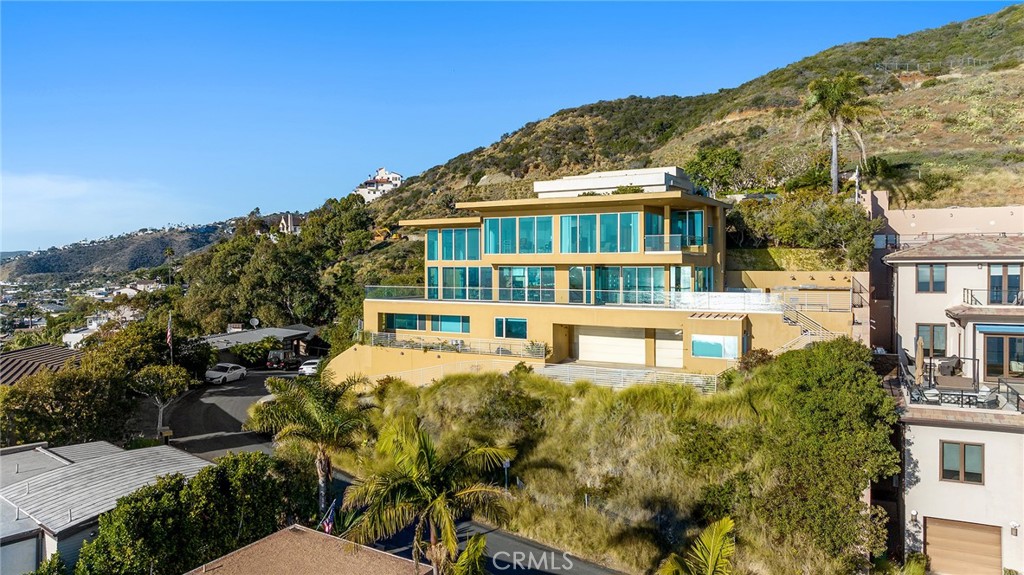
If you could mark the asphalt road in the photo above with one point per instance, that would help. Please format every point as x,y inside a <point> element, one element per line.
<point>207,422</point>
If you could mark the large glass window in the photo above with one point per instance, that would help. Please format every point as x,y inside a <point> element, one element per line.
<point>545,232</point>
<point>934,338</point>
<point>714,346</point>
<point>431,245</point>
<point>704,278</point>
<point>579,284</point>
<point>686,228</point>
<point>432,283</point>
<point>1004,356</point>
<point>510,328</point>
<point>681,278</point>
<point>447,245</point>
<point>963,462</point>
<point>631,285</point>
<point>449,323</point>
<point>527,235</point>
<point>526,283</point>
<point>473,244</point>
<point>931,278</point>
<point>473,283</point>
<point>1004,284</point>
<point>393,321</point>
<point>508,235</point>
<point>578,234</point>
<point>609,233</point>
<point>460,244</point>
<point>492,233</point>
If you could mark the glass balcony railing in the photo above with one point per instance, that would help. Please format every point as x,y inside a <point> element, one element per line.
<point>672,242</point>
<point>982,297</point>
<point>638,297</point>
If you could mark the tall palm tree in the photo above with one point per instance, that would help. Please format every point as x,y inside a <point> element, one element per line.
<point>838,104</point>
<point>710,554</point>
<point>322,418</point>
<point>429,489</point>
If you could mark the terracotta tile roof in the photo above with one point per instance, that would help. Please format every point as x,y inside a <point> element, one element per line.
<point>19,363</point>
<point>963,247</point>
<point>303,551</point>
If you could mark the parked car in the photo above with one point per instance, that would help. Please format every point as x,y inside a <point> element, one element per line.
<point>225,372</point>
<point>282,359</point>
<point>309,367</point>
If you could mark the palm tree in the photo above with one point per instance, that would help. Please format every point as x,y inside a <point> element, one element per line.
<point>322,418</point>
<point>710,554</point>
<point>838,105</point>
<point>430,489</point>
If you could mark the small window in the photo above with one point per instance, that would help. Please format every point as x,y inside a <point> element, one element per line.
<point>509,328</point>
<point>934,338</point>
<point>963,462</point>
<point>431,245</point>
<point>931,278</point>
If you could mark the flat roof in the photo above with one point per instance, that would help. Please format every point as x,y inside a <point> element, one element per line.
<point>429,222</point>
<point>303,551</point>
<point>226,340</point>
<point>74,495</point>
<point>24,461</point>
<point>644,198</point>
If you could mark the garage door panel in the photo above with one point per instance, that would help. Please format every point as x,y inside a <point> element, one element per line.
<point>668,348</point>
<point>613,345</point>
<point>961,548</point>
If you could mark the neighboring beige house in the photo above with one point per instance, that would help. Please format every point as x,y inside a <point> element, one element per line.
<point>613,288</point>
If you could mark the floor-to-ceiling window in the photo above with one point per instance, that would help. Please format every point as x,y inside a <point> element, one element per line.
<point>1004,356</point>
<point>460,283</point>
<point>1004,285</point>
<point>578,234</point>
<point>686,228</point>
<point>526,283</point>
<point>630,285</point>
<point>579,284</point>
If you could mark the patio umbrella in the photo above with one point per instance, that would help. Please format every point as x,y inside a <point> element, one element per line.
<point>919,363</point>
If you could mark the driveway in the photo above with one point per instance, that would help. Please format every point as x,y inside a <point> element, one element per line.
<point>207,421</point>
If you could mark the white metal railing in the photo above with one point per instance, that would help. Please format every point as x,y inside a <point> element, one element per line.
<point>566,373</point>
<point>453,343</point>
<point>981,297</point>
<point>838,301</point>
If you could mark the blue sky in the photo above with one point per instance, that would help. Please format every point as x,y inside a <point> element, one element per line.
<point>120,115</point>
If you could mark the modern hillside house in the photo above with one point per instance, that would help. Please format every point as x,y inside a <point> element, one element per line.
<point>959,322</point>
<point>626,285</point>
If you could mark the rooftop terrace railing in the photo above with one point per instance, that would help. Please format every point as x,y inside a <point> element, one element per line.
<point>982,297</point>
<point>731,302</point>
<point>672,242</point>
<point>454,343</point>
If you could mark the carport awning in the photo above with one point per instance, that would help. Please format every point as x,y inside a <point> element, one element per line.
<point>1000,328</point>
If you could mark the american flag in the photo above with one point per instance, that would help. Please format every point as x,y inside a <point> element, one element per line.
<point>328,521</point>
<point>170,341</point>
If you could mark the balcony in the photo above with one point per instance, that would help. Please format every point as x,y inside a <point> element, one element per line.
<point>672,243</point>
<point>953,382</point>
<point>502,347</point>
<point>987,297</point>
<point>735,302</point>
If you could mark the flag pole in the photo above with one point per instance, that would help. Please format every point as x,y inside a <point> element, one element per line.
<point>329,511</point>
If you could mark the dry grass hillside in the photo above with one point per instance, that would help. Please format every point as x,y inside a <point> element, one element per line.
<point>967,126</point>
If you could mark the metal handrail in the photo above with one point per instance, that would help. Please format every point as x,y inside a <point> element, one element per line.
<point>982,297</point>
<point>673,242</point>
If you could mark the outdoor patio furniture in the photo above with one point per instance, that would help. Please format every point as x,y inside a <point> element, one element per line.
<point>987,396</point>
<point>932,396</point>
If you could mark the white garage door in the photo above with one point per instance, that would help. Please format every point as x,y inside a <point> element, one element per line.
<point>610,344</point>
<point>958,548</point>
<point>668,348</point>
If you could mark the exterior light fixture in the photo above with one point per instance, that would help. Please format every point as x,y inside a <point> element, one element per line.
<point>913,516</point>
<point>1014,526</point>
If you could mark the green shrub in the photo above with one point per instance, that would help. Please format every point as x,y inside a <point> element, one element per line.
<point>1007,64</point>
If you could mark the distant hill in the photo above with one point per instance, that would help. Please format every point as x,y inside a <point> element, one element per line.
<point>967,119</point>
<point>4,256</point>
<point>124,253</point>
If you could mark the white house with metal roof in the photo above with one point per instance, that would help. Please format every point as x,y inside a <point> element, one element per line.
<point>51,498</point>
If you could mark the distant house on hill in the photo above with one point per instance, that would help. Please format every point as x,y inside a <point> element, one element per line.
<point>378,184</point>
<point>289,225</point>
<point>14,365</point>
